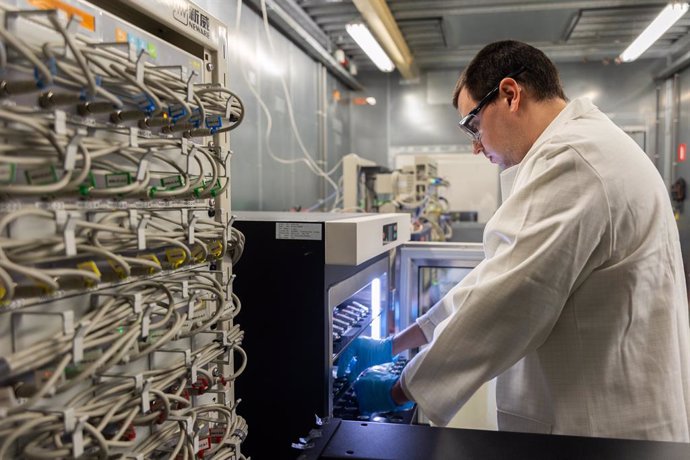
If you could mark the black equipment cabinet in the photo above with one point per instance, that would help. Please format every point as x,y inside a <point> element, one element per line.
<point>287,305</point>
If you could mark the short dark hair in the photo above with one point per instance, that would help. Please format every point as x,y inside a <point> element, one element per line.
<point>498,59</point>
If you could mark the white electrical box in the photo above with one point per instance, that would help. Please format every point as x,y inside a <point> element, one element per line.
<point>354,240</point>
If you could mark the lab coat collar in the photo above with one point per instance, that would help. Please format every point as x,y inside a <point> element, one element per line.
<point>507,178</point>
<point>575,109</point>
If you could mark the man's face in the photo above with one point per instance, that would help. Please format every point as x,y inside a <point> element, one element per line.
<point>494,141</point>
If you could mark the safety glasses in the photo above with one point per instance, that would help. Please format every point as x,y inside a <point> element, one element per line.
<point>470,122</point>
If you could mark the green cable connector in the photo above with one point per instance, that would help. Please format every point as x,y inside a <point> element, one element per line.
<point>119,179</point>
<point>41,176</point>
<point>88,185</point>
<point>216,188</point>
<point>72,371</point>
<point>84,190</point>
<point>197,191</point>
<point>8,173</point>
<point>172,182</point>
<point>214,191</point>
<point>168,183</point>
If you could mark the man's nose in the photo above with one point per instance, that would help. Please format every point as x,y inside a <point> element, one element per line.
<point>477,147</point>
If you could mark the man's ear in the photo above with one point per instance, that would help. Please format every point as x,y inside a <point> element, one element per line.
<point>511,92</point>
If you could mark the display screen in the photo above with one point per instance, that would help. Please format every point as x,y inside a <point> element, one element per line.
<point>390,233</point>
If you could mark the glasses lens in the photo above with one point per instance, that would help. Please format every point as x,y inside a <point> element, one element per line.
<point>469,126</point>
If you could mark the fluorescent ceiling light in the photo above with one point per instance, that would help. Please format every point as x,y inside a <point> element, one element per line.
<point>360,34</point>
<point>663,22</point>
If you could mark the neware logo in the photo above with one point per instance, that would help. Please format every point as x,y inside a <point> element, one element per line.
<point>199,22</point>
<point>181,12</point>
<point>193,18</point>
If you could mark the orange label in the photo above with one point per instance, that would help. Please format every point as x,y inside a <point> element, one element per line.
<point>87,21</point>
<point>120,35</point>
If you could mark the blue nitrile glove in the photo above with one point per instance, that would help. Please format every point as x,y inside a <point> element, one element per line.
<point>364,352</point>
<point>373,390</point>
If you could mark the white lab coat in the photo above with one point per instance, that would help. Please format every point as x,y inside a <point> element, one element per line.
<point>580,306</point>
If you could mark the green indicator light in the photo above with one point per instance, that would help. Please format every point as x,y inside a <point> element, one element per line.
<point>151,48</point>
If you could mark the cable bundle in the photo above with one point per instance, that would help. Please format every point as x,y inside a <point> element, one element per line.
<point>80,133</point>
<point>104,163</point>
<point>121,329</point>
<point>236,245</point>
<point>95,80</point>
<point>71,163</point>
<point>108,249</point>
<point>108,412</point>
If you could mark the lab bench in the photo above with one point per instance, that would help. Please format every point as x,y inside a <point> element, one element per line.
<point>342,439</point>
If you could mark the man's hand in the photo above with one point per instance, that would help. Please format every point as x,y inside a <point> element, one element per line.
<point>363,353</point>
<point>373,389</point>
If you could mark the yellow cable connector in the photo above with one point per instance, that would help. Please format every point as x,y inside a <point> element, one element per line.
<point>154,259</point>
<point>176,257</point>
<point>198,253</point>
<point>46,288</point>
<point>216,249</point>
<point>117,268</point>
<point>90,266</point>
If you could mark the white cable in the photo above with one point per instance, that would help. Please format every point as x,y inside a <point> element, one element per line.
<point>53,18</point>
<point>17,44</point>
<point>307,160</point>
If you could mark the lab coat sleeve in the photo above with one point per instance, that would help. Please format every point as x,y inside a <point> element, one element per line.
<point>541,244</point>
<point>435,316</point>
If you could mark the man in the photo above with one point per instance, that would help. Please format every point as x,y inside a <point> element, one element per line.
<point>580,306</point>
